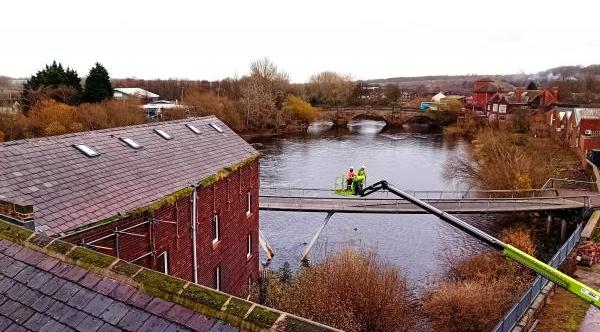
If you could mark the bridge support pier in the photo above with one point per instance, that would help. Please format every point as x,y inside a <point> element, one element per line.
<point>306,251</point>
<point>563,230</point>
<point>548,225</point>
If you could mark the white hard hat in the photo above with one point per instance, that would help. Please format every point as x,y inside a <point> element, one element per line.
<point>363,166</point>
<point>351,167</point>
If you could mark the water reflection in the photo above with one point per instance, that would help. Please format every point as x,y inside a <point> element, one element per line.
<point>366,127</point>
<point>319,127</point>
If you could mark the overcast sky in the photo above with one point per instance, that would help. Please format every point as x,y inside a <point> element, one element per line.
<point>368,39</point>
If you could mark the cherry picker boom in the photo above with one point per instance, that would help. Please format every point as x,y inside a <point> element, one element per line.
<point>579,289</point>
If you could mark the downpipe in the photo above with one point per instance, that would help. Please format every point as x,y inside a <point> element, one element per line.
<point>194,223</point>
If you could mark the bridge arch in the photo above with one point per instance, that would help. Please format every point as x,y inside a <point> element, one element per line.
<point>369,116</point>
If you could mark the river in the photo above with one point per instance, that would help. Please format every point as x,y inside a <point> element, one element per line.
<point>421,246</point>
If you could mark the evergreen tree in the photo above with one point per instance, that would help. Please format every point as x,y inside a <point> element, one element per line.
<point>52,82</point>
<point>97,85</point>
<point>532,86</point>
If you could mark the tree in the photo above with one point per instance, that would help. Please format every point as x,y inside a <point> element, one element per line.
<point>297,108</point>
<point>262,94</point>
<point>532,86</point>
<point>52,82</point>
<point>202,104</point>
<point>392,94</point>
<point>330,88</point>
<point>97,85</point>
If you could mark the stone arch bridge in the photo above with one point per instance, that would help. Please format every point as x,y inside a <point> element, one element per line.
<point>393,116</point>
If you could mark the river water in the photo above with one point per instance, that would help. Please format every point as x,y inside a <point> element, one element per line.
<point>421,246</point>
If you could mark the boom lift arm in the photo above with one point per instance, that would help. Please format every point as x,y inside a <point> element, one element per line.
<point>579,289</point>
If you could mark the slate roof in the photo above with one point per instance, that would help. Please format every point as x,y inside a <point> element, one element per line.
<point>138,92</point>
<point>69,189</point>
<point>41,293</point>
<point>48,285</point>
<point>586,114</point>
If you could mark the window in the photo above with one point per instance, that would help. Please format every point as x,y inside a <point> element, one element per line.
<point>216,127</point>
<point>86,150</point>
<point>217,278</point>
<point>248,203</point>
<point>216,231</point>
<point>131,142</point>
<point>163,134</point>
<point>249,246</point>
<point>193,128</point>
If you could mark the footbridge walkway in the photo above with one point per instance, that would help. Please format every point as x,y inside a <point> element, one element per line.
<point>456,202</point>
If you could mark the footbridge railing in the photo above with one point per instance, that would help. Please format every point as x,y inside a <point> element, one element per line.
<point>514,314</point>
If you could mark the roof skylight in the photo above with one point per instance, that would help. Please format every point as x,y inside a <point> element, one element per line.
<point>131,142</point>
<point>163,134</point>
<point>193,128</point>
<point>216,127</point>
<point>86,150</point>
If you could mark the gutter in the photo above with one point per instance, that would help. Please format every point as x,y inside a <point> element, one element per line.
<point>194,222</point>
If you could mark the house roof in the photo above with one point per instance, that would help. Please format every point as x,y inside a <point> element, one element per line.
<point>586,114</point>
<point>69,189</point>
<point>138,92</point>
<point>50,285</point>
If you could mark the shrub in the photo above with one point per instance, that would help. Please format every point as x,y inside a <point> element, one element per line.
<point>1,136</point>
<point>225,109</point>
<point>353,291</point>
<point>297,108</point>
<point>480,288</point>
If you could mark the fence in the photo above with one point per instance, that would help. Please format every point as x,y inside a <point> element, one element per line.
<point>512,317</point>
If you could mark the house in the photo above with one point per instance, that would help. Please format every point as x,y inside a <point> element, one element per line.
<point>179,197</point>
<point>135,93</point>
<point>155,109</point>
<point>583,129</point>
<point>483,90</point>
<point>51,285</point>
<point>438,97</point>
<point>503,105</point>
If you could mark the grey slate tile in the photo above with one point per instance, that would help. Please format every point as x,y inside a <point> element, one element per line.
<point>43,303</point>
<point>139,299</point>
<point>66,291</point>
<point>39,279</point>
<point>134,319</point>
<point>106,285</point>
<point>50,287</point>
<point>82,298</point>
<point>55,326</point>
<point>37,321</point>
<point>13,269</point>
<point>98,305</point>
<point>108,328</point>
<point>16,291</point>
<point>155,323</point>
<point>21,314</point>
<point>158,306</point>
<point>199,323</point>
<point>115,312</point>
<point>89,323</point>
<point>222,327</point>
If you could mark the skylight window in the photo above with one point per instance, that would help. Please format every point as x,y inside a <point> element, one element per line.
<point>216,127</point>
<point>193,128</point>
<point>86,150</point>
<point>131,142</point>
<point>163,134</point>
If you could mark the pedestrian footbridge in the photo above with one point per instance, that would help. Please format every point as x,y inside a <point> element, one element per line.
<point>455,202</point>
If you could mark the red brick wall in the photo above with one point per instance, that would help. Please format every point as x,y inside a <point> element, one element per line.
<point>172,233</point>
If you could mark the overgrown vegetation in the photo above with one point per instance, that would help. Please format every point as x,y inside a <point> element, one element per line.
<point>506,160</point>
<point>351,290</point>
<point>479,289</point>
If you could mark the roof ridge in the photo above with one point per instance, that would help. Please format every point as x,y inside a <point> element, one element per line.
<point>203,300</point>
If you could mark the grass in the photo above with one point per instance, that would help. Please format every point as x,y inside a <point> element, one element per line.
<point>563,312</point>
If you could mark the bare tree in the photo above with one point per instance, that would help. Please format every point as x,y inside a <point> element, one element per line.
<point>330,88</point>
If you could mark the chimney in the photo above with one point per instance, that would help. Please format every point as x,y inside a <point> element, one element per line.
<point>554,90</point>
<point>21,215</point>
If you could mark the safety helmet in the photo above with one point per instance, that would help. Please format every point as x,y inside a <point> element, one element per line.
<point>364,167</point>
<point>351,167</point>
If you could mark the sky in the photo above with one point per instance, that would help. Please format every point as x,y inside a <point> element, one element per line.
<point>368,39</point>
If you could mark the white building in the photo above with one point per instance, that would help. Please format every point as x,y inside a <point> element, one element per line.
<point>126,93</point>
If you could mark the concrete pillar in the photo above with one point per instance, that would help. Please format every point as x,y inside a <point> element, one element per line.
<point>548,225</point>
<point>563,230</point>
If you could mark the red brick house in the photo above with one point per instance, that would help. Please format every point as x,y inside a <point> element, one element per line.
<point>583,129</point>
<point>180,197</point>
<point>483,90</point>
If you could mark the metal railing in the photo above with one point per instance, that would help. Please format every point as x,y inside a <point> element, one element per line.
<point>514,314</point>
<point>555,183</point>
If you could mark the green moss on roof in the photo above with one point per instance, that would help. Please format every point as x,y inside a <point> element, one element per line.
<point>41,240</point>
<point>91,257</point>
<point>207,297</point>
<point>125,268</point>
<point>159,283</point>
<point>262,316</point>
<point>238,307</point>
<point>14,233</point>
<point>293,324</point>
<point>60,247</point>
<point>169,200</point>
<point>224,172</point>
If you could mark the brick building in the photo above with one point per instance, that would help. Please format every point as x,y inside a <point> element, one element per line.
<point>583,129</point>
<point>483,90</point>
<point>179,197</point>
